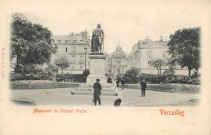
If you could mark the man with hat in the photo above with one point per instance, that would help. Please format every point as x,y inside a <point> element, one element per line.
<point>97,92</point>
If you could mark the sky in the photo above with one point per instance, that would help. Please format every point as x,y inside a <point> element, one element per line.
<point>123,22</point>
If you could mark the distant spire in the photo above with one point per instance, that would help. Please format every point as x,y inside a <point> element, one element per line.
<point>119,47</point>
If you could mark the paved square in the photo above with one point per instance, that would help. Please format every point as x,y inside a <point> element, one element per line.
<point>130,97</point>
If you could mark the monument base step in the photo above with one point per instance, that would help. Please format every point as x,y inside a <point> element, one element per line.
<point>90,86</point>
<point>91,90</point>
<point>91,93</point>
<point>87,89</point>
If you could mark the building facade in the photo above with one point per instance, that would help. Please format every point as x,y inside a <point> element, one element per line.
<point>144,52</point>
<point>76,47</point>
<point>118,61</point>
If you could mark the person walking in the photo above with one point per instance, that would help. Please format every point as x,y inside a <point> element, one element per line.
<point>143,87</point>
<point>97,92</point>
<point>114,86</point>
<point>117,82</point>
<point>123,83</point>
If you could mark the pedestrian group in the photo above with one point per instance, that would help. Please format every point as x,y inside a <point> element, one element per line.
<point>115,84</point>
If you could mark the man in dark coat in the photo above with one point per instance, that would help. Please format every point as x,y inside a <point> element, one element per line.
<point>123,83</point>
<point>143,88</point>
<point>117,82</point>
<point>97,92</point>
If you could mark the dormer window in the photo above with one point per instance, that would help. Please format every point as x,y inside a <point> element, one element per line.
<point>59,41</point>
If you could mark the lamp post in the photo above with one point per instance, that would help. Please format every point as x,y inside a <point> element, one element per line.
<point>85,49</point>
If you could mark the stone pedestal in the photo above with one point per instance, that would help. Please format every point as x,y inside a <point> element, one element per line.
<point>97,69</point>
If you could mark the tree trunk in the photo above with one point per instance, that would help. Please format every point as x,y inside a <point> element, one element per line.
<point>189,72</point>
<point>17,60</point>
<point>158,71</point>
<point>62,71</point>
<point>85,79</point>
<point>197,71</point>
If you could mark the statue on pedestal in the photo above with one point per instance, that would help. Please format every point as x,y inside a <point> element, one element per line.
<point>97,44</point>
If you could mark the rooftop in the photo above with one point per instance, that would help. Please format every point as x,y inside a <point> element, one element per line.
<point>70,39</point>
<point>153,44</point>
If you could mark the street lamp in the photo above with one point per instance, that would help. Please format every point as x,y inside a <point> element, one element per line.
<point>85,49</point>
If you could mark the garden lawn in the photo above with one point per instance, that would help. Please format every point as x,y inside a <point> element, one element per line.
<point>174,88</point>
<point>40,84</point>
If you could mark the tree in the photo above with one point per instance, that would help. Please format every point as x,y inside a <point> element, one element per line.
<point>171,66</point>
<point>86,72</point>
<point>132,74</point>
<point>51,69</point>
<point>158,65</point>
<point>184,47</point>
<point>62,62</point>
<point>30,42</point>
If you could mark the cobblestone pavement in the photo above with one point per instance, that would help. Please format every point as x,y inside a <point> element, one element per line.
<point>130,97</point>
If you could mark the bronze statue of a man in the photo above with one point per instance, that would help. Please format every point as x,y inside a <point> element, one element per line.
<point>97,40</point>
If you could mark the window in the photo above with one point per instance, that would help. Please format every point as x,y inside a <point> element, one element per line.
<point>135,55</point>
<point>66,49</point>
<point>149,54</point>
<point>114,69</point>
<point>66,41</point>
<point>122,68</point>
<point>73,49</point>
<point>149,64</point>
<point>122,62</point>
<point>118,70</point>
<point>73,59</point>
<point>81,67</point>
<point>59,41</point>
<point>81,60</point>
<point>164,53</point>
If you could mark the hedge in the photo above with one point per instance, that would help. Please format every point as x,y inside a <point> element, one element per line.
<point>39,76</point>
<point>170,79</point>
<point>70,77</point>
<point>46,76</point>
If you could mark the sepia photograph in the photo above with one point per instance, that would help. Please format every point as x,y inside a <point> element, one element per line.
<point>138,60</point>
<point>99,65</point>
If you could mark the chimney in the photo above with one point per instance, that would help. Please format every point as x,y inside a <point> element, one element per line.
<point>161,39</point>
<point>147,39</point>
